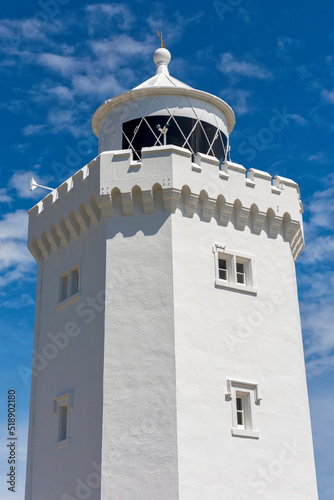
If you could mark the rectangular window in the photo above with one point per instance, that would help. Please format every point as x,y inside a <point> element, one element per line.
<point>69,284</point>
<point>244,397</point>
<point>234,270</point>
<point>62,406</point>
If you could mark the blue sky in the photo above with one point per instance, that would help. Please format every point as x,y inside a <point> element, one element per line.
<point>59,59</point>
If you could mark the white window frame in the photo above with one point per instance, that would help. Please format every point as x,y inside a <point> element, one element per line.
<point>232,259</point>
<point>58,403</point>
<point>73,278</point>
<point>249,394</point>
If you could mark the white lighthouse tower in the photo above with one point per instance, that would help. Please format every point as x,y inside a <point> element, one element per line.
<point>168,359</point>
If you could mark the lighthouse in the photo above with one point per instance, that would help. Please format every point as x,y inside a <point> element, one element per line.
<point>168,360</point>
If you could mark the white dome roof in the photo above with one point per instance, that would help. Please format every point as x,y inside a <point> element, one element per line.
<point>166,88</point>
<point>162,78</point>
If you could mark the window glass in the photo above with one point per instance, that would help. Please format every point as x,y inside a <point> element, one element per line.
<point>240,272</point>
<point>75,281</point>
<point>62,422</point>
<point>222,269</point>
<point>63,286</point>
<point>240,411</point>
<point>198,137</point>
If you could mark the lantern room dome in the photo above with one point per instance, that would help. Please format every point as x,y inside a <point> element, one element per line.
<point>164,110</point>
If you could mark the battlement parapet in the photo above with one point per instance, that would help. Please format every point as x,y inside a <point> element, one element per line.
<point>224,191</point>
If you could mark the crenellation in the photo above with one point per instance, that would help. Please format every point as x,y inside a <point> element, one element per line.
<point>262,181</point>
<point>91,192</point>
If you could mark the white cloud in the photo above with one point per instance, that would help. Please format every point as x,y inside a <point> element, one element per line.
<point>60,64</point>
<point>316,279</point>
<point>298,119</point>
<point>318,248</point>
<point>173,24</point>
<point>320,210</point>
<point>16,263</point>
<point>13,226</point>
<point>230,66</point>
<point>18,302</point>
<point>286,43</point>
<point>120,13</point>
<point>4,196</point>
<point>239,99</point>
<point>320,157</point>
<point>328,95</point>
<point>34,129</point>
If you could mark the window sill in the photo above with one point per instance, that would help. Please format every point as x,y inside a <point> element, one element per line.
<point>236,286</point>
<point>62,444</point>
<point>245,433</point>
<point>69,300</point>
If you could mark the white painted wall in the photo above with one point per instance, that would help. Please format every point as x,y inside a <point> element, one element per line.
<point>208,320</point>
<point>78,367</point>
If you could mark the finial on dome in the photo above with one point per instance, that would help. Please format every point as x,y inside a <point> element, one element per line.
<point>162,57</point>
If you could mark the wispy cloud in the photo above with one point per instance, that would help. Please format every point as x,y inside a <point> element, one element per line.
<point>23,300</point>
<point>239,99</point>
<point>16,263</point>
<point>4,196</point>
<point>116,12</point>
<point>34,129</point>
<point>232,67</point>
<point>328,95</point>
<point>298,119</point>
<point>319,157</point>
<point>316,280</point>
<point>288,43</point>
